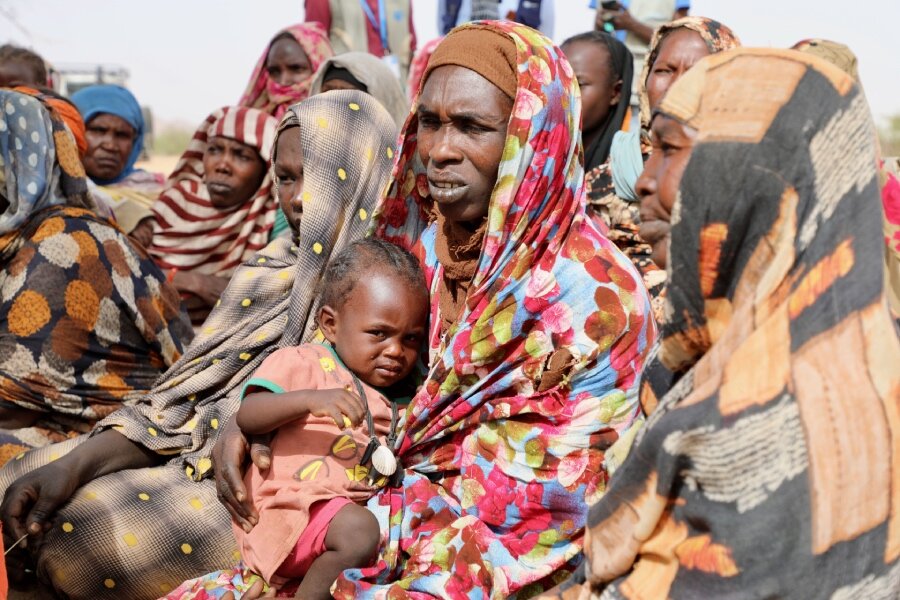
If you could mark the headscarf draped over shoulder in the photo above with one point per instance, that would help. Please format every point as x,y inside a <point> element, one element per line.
<point>269,302</point>
<point>192,234</point>
<point>504,445</point>
<point>41,166</point>
<point>380,81</point>
<point>95,100</point>
<point>718,37</point>
<point>272,97</point>
<point>749,476</point>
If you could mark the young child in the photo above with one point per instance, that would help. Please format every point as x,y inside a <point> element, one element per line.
<point>312,522</point>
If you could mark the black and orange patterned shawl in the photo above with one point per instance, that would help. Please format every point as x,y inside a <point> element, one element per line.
<point>771,468</point>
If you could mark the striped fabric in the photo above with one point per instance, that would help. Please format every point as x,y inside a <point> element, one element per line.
<point>191,233</point>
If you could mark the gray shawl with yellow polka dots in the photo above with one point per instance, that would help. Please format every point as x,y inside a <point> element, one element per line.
<point>347,141</point>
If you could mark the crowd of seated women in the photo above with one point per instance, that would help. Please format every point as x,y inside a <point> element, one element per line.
<point>495,335</point>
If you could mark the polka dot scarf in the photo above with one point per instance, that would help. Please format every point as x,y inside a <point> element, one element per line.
<point>39,161</point>
<point>347,146</point>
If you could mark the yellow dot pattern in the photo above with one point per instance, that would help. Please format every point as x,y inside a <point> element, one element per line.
<point>245,356</point>
<point>186,548</point>
<point>196,504</point>
<point>317,248</point>
<point>189,471</point>
<point>209,329</point>
<point>370,154</point>
<point>305,197</point>
<point>192,424</point>
<point>165,588</point>
<point>353,106</point>
<point>68,527</point>
<point>261,260</point>
<point>152,431</point>
<point>130,540</point>
<point>192,398</point>
<point>246,302</point>
<point>54,456</point>
<point>109,583</point>
<point>144,496</point>
<point>342,174</point>
<point>390,152</point>
<point>322,122</point>
<point>90,495</point>
<point>204,465</point>
<point>363,214</point>
<point>214,423</point>
<point>20,456</point>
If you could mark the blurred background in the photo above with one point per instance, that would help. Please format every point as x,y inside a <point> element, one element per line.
<point>182,59</point>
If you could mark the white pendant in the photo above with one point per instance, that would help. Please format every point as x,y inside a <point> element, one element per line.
<point>384,461</point>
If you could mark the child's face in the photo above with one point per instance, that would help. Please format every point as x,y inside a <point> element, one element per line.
<point>378,332</point>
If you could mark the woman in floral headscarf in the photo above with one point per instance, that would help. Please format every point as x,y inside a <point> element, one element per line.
<point>284,73</point>
<point>87,322</point>
<point>539,329</point>
<point>771,463</point>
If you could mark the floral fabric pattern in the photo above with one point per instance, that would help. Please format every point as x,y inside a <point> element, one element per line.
<point>504,445</point>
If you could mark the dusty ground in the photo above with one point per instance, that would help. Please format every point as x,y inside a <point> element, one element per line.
<point>160,163</point>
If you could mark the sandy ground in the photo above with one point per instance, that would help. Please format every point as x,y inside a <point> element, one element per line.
<point>159,163</point>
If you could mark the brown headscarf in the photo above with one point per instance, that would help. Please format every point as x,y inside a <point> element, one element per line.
<point>492,55</point>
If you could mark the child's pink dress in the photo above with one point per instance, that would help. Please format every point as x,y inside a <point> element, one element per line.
<point>313,461</point>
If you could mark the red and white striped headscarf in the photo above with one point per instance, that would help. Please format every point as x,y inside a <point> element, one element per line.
<point>193,235</point>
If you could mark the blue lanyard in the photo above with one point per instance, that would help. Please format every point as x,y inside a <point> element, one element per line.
<point>382,27</point>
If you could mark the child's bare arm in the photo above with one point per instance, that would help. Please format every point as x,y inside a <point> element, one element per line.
<point>263,412</point>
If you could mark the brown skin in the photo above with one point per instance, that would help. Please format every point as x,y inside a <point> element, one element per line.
<point>657,187</point>
<point>463,119</point>
<point>109,140</point>
<point>288,169</point>
<point>287,63</point>
<point>377,332</point>
<point>232,172</point>
<point>32,500</point>
<point>339,84</point>
<point>624,21</point>
<point>143,232</point>
<point>461,140</point>
<point>679,51</point>
<point>600,92</point>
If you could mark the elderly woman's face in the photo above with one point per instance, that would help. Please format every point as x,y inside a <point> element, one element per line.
<point>288,168</point>
<point>657,187</point>
<point>232,172</point>
<point>463,119</point>
<point>287,63</point>
<point>109,140</point>
<point>678,52</point>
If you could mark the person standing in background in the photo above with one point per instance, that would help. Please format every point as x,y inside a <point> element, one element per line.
<point>537,14</point>
<point>634,22</point>
<point>383,28</point>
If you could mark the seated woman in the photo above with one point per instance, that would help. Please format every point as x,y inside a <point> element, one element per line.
<point>770,466</point>
<point>87,321</point>
<point>136,496</point>
<point>114,127</point>
<point>539,328</point>
<point>284,73</point>
<point>362,71</point>
<point>218,208</point>
<point>675,47</point>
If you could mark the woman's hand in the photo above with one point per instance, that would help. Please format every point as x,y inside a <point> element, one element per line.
<point>32,500</point>
<point>229,455</point>
<point>207,288</point>
<point>143,232</point>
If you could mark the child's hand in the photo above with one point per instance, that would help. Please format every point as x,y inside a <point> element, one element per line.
<point>345,407</point>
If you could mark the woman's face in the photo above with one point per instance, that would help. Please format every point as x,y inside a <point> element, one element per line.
<point>463,119</point>
<point>678,52</point>
<point>657,187</point>
<point>232,172</point>
<point>288,168</point>
<point>287,63</point>
<point>110,140</point>
<point>600,90</point>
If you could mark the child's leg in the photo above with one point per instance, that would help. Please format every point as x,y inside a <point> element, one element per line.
<point>351,542</point>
